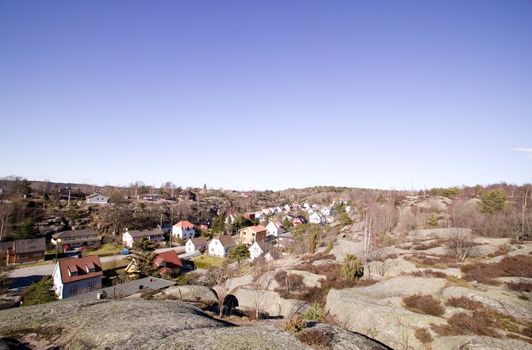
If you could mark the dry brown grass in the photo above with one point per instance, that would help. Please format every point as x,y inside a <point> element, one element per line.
<point>464,303</point>
<point>424,304</point>
<point>428,273</point>
<point>425,246</point>
<point>441,262</point>
<point>480,323</point>
<point>510,266</point>
<point>317,338</point>
<point>292,286</point>
<point>524,287</point>
<point>423,335</point>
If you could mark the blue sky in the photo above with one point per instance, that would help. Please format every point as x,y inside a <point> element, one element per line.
<point>267,94</point>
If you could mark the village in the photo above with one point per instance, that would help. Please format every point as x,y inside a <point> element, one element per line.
<point>261,236</point>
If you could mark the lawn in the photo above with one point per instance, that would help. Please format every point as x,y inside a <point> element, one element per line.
<point>105,250</point>
<point>206,261</point>
<point>116,264</point>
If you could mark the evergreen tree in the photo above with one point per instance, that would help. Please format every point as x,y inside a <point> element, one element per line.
<point>39,292</point>
<point>238,252</point>
<point>143,255</point>
<point>492,201</point>
<point>352,269</point>
<point>27,229</point>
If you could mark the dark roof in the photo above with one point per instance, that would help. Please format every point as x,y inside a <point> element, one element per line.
<point>75,233</point>
<point>29,245</point>
<point>226,240</point>
<point>265,246</point>
<point>128,288</point>
<point>6,245</point>
<point>199,241</point>
<point>79,267</point>
<point>154,232</point>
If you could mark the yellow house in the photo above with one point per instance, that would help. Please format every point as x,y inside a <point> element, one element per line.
<point>251,234</point>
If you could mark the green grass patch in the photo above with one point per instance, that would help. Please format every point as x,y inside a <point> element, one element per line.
<point>105,250</point>
<point>116,264</point>
<point>206,261</point>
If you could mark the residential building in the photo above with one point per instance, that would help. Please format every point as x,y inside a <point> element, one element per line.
<point>168,263</point>
<point>150,197</point>
<point>184,229</point>
<point>264,249</point>
<point>250,234</point>
<point>74,276</point>
<point>194,244</point>
<point>220,245</point>
<point>76,239</point>
<point>316,218</point>
<point>129,237</point>
<point>285,240</point>
<point>26,251</point>
<point>298,220</point>
<point>274,228</point>
<point>97,198</point>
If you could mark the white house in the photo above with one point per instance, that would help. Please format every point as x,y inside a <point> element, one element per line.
<point>325,211</point>
<point>220,245</point>
<point>194,244</point>
<point>184,229</point>
<point>316,218</point>
<point>274,228</point>
<point>129,237</point>
<point>75,276</point>
<point>258,249</point>
<point>97,198</point>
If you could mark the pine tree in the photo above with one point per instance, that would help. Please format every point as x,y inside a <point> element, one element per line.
<point>143,255</point>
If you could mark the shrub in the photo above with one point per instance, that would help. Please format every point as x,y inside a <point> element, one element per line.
<point>314,313</point>
<point>480,323</point>
<point>429,273</point>
<point>295,325</point>
<point>352,269</point>
<point>423,335</point>
<point>509,266</point>
<point>426,246</point>
<point>464,303</point>
<point>39,292</point>
<point>316,338</point>
<point>520,286</point>
<point>424,304</point>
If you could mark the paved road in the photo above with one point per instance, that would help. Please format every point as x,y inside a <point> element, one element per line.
<point>24,276</point>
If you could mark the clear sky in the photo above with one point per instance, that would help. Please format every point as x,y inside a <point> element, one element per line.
<point>267,94</point>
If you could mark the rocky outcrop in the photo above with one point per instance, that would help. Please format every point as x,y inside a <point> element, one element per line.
<point>392,325</point>
<point>342,247</point>
<point>147,324</point>
<point>496,298</point>
<point>267,301</point>
<point>198,294</point>
<point>465,342</point>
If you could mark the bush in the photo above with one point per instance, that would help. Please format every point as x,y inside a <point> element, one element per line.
<point>510,266</point>
<point>352,269</point>
<point>314,313</point>
<point>464,303</point>
<point>316,338</point>
<point>520,286</point>
<point>480,323</point>
<point>39,292</point>
<point>429,273</point>
<point>424,304</point>
<point>295,324</point>
<point>423,335</point>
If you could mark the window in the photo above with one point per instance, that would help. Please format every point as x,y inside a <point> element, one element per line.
<point>74,289</point>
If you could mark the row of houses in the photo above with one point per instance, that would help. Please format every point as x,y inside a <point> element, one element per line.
<point>24,250</point>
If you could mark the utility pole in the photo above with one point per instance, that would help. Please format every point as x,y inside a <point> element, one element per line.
<point>68,203</point>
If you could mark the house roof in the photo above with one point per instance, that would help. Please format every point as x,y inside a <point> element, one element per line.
<point>199,241</point>
<point>256,228</point>
<point>264,246</point>
<point>286,235</point>
<point>278,223</point>
<point>170,259</point>
<point>128,288</point>
<point>80,266</point>
<point>184,224</point>
<point>6,245</point>
<point>137,233</point>
<point>226,240</point>
<point>75,233</point>
<point>29,245</point>
<point>95,195</point>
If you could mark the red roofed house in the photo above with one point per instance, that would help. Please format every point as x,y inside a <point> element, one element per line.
<point>168,263</point>
<point>184,229</point>
<point>75,276</point>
